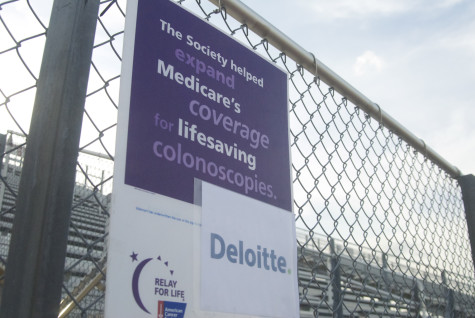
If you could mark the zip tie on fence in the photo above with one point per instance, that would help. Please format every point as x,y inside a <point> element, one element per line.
<point>316,66</point>
<point>264,43</point>
<point>108,7</point>
<point>219,10</point>
<point>216,11</point>
<point>425,149</point>
<point>222,9</point>
<point>281,56</point>
<point>380,114</point>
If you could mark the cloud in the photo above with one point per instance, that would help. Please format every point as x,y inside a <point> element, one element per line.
<point>447,3</point>
<point>460,39</point>
<point>348,9</point>
<point>368,62</point>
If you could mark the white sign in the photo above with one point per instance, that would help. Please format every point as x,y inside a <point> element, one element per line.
<point>150,256</point>
<point>248,256</point>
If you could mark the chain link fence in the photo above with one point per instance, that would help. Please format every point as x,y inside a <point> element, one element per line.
<point>381,228</point>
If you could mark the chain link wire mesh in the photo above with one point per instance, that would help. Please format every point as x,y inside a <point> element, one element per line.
<point>381,229</point>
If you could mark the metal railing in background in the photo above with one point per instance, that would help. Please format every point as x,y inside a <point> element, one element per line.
<point>381,217</point>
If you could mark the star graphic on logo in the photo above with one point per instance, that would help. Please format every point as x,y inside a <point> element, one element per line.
<point>134,256</point>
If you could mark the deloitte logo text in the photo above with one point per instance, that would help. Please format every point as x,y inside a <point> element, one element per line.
<point>260,257</point>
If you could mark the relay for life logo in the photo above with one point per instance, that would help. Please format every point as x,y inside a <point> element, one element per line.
<point>158,291</point>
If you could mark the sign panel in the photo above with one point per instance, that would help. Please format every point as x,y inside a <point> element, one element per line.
<point>201,119</point>
<point>247,258</point>
<point>203,106</point>
<point>150,257</point>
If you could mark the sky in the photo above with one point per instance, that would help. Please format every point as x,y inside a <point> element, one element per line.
<point>415,58</point>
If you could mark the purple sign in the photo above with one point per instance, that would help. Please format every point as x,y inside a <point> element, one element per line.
<point>203,106</point>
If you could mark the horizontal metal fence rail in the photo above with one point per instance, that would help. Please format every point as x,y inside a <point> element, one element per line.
<point>380,215</point>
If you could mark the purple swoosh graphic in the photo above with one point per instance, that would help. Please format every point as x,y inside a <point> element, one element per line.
<point>135,284</point>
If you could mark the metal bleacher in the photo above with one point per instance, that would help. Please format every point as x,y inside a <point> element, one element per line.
<point>86,250</point>
<point>340,280</point>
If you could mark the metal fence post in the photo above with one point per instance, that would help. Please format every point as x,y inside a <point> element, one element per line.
<point>467,184</point>
<point>386,281</point>
<point>336,281</point>
<point>449,295</point>
<point>35,265</point>
<point>3,142</point>
<point>419,298</point>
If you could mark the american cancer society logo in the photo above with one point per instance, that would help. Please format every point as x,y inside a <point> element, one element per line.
<point>170,309</point>
<point>155,286</point>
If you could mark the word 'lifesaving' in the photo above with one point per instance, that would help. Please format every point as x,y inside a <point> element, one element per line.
<point>260,257</point>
